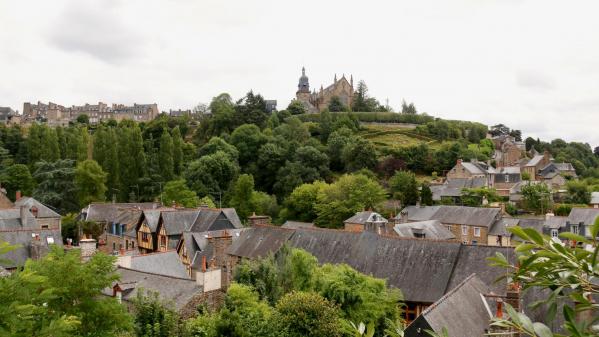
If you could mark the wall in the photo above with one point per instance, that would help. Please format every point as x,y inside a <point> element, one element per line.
<point>456,229</point>
<point>212,300</point>
<point>354,227</point>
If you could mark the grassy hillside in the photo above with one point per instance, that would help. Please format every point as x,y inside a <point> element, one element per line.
<point>393,136</point>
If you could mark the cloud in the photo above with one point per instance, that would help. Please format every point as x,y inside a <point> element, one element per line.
<point>535,80</point>
<point>98,29</point>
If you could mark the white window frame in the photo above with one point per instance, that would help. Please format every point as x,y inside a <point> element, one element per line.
<point>574,229</point>
<point>477,232</point>
<point>554,233</point>
<point>464,230</point>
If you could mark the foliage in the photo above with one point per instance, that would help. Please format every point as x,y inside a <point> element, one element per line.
<point>211,174</point>
<point>296,107</point>
<point>568,272</point>
<point>56,185</point>
<point>90,182</point>
<point>536,197</point>
<point>247,139</point>
<point>349,194</point>
<point>409,109</point>
<point>426,195</point>
<point>41,301</point>
<point>300,314</point>
<point>578,192</point>
<point>476,197</point>
<point>404,187</point>
<point>335,105</point>
<point>359,153</point>
<point>241,196</point>
<point>17,178</point>
<point>176,192</point>
<point>153,318</point>
<point>300,204</point>
<point>216,144</point>
<point>165,157</point>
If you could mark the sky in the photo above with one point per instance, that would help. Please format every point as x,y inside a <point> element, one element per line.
<point>532,65</point>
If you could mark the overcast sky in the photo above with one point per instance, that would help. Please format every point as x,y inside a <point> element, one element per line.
<point>533,65</point>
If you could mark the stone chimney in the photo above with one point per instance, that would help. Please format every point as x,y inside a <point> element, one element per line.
<point>254,220</point>
<point>513,296</point>
<point>403,216</point>
<point>220,244</point>
<point>23,215</point>
<point>549,216</point>
<point>88,248</point>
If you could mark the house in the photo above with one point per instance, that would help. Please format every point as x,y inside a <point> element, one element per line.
<point>163,263</point>
<point>425,270</point>
<point>470,225</point>
<point>463,311</point>
<point>19,226</point>
<point>508,151</point>
<point>534,165</point>
<point>555,175</point>
<point>45,217</point>
<point>146,229</point>
<point>516,198</point>
<point>505,178</point>
<point>171,226</point>
<point>366,220</point>
<point>594,200</point>
<point>471,169</point>
<point>500,236</point>
<point>120,232</point>
<point>451,191</point>
<point>431,229</point>
<point>580,220</point>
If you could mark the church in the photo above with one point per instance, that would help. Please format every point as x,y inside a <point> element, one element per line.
<point>318,101</point>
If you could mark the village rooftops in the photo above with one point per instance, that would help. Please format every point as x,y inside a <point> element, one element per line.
<point>431,229</point>
<point>161,263</point>
<point>43,211</point>
<point>461,215</point>
<point>108,212</point>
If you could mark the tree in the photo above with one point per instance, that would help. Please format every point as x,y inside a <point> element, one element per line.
<point>216,144</point>
<point>408,108</point>
<point>247,139</point>
<point>83,119</point>
<point>477,196</point>
<point>565,272</point>
<point>211,174</point>
<point>251,110</point>
<point>177,192</point>
<point>293,174</point>
<point>388,165</point>
<point>404,187</point>
<point>165,156</point>
<point>153,318</point>
<point>241,196</point>
<point>17,178</point>
<point>299,205</point>
<point>56,185</point>
<point>41,301</point>
<point>131,147</point>
<point>426,195</point>
<point>336,143</point>
<point>106,153</point>
<point>359,153</point>
<point>90,182</point>
<point>578,192</point>
<point>296,107</point>
<point>362,102</point>
<point>178,145</point>
<point>536,198</point>
<point>335,105</point>
<point>306,314</point>
<point>351,193</point>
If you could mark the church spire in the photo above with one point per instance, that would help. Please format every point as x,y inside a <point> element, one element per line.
<point>303,71</point>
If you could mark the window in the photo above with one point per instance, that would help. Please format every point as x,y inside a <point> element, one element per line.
<point>420,235</point>
<point>474,242</point>
<point>163,241</point>
<point>132,244</point>
<point>465,242</point>
<point>574,229</point>
<point>464,230</point>
<point>477,232</point>
<point>499,242</point>
<point>507,178</point>
<point>126,244</point>
<point>449,228</point>
<point>144,237</point>
<point>554,233</point>
<point>44,226</point>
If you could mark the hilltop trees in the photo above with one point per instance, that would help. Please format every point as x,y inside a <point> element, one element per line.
<point>90,182</point>
<point>17,178</point>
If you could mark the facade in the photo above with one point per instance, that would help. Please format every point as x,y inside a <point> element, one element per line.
<point>505,178</point>
<point>534,165</point>
<point>366,221</point>
<point>318,101</point>
<point>58,115</point>
<point>508,151</point>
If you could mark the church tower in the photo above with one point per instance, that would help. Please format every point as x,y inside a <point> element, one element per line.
<point>303,88</point>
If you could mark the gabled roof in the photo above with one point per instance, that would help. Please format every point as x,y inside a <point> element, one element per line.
<point>179,291</point>
<point>431,229</point>
<point>462,215</point>
<point>162,263</point>
<point>260,241</point>
<point>365,217</point>
<point>10,219</point>
<point>151,218</point>
<point>462,311</point>
<point>585,215</point>
<point>177,221</point>
<point>473,168</point>
<point>43,211</point>
<point>197,246</point>
<point>535,160</point>
<point>231,214</point>
<point>23,238</point>
<point>215,219</point>
<point>108,212</point>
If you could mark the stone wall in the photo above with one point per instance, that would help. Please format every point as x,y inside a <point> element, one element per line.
<point>212,300</point>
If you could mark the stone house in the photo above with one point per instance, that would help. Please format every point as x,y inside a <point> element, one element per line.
<point>555,175</point>
<point>318,101</point>
<point>366,220</point>
<point>505,178</point>
<point>508,151</point>
<point>45,217</point>
<point>534,165</point>
<point>470,225</point>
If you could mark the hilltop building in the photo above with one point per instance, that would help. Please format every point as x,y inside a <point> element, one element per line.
<point>318,101</point>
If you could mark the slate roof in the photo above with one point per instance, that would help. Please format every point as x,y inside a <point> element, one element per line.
<point>586,215</point>
<point>595,198</point>
<point>473,182</point>
<point>431,229</point>
<point>162,263</point>
<point>23,238</point>
<point>462,215</point>
<point>179,291</point>
<point>108,212</point>
<point>259,241</point>
<point>535,160</point>
<point>364,217</point>
<point>297,224</point>
<point>177,221</point>
<point>43,211</point>
<point>473,168</point>
<point>215,219</point>
<point>499,227</point>
<point>462,311</point>
<point>231,214</point>
<point>152,216</point>
<point>556,221</point>
<point>10,219</point>
<point>197,243</point>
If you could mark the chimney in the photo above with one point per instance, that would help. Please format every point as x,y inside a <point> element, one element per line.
<point>254,220</point>
<point>403,216</point>
<point>23,215</point>
<point>513,296</point>
<point>549,216</point>
<point>499,312</point>
<point>220,244</point>
<point>459,161</point>
<point>17,195</point>
<point>88,248</point>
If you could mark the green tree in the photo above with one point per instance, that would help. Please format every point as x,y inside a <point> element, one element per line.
<point>404,187</point>
<point>426,195</point>
<point>154,318</point>
<point>241,196</point>
<point>296,107</point>
<point>177,192</point>
<point>17,178</point>
<point>218,144</point>
<point>359,153</point>
<point>56,185</point>
<point>178,144</point>
<point>351,193</point>
<point>165,156</point>
<point>247,139</point>
<point>299,205</point>
<point>211,174</point>
<point>578,192</point>
<point>362,102</point>
<point>251,110</point>
<point>130,145</point>
<point>106,153</point>
<point>476,196</point>
<point>536,198</point>
<point>90,182</point>
<point>336,143</point>
<point>335,105</point>
<point>408,108</point>
<point>306,314</point>
<point>565,272</point>
<point>41,301</point>
<point>83,119</point>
